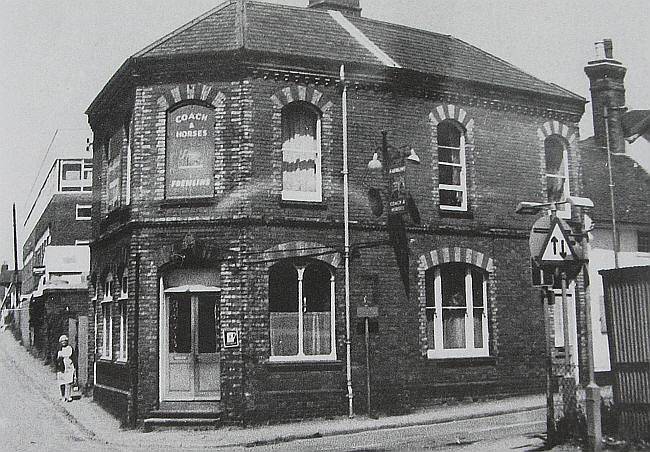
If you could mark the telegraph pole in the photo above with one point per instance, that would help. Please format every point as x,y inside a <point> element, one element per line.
<point>16,276</point>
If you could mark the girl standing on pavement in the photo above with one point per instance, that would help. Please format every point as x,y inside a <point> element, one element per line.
<point>65,368</point>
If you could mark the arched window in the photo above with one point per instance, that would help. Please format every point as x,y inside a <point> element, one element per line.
<point>557,172</point>
<point>123,307</point>
<point>301,153</point>
<point>107,319</point>
<point>452,183</point>
<point>456,311</point>
<point>301,307</point>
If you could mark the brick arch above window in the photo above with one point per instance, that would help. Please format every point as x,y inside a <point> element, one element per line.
<point>550,128</point>
<point>292,250</point>
<point>456,254</point>
<point>294,93</point>
<point>189,92</point>
<point>444,112</point>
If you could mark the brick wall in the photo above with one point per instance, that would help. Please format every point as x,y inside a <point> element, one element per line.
<point>505,163</point>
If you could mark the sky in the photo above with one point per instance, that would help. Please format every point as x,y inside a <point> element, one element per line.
<point>55,56</point>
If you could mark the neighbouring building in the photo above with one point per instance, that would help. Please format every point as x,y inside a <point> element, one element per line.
<point>218,216</point>
<point>7,288</point>
<point>631,188</point>
<point>56,255</point>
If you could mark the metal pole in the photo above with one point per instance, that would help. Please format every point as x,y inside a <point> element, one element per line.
<point>367,363</point>
<point>346,252</point>
<point>16,276</point>
<point>565,326</point>
<point>592,391</point>
<point>550,403</point>
<point>611,188</point>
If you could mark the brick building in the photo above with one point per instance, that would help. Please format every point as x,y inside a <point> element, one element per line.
<point>56,255</point>
<point>218,216</point>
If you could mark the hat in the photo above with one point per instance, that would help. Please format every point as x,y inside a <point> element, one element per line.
<point>63,338</point>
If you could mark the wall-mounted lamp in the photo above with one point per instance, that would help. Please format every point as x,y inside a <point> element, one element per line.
<point>375,164</point>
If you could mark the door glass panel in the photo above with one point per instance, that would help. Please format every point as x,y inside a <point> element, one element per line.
<point>207,324</point>
<point>180,324</point>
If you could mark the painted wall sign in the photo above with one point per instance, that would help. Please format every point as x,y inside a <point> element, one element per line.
<point>190,152</point>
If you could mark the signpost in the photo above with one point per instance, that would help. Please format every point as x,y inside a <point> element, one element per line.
<point>367,312</point>
<point>554,259</point>
<point>554,253</point>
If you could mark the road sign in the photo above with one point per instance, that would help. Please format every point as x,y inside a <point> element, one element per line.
<point>551,249</point>
<point>557,248</point>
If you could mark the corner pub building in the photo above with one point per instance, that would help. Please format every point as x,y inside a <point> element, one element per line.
<point>218,226</point>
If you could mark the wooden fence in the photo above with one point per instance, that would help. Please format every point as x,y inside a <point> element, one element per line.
<point>627,307</point>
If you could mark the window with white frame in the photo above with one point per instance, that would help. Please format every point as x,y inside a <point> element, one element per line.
<point>108,287</point>
<point>301,305</point>
<point>301,153</point>
<point>456,311</point>
<point>95,288</point>
<point>557,173</point>
<point>124,284</point>
<point>71,171</point>
<point>123,350</point>
<point>107,330</point>
<point>83,211</point>
<point>76,175</point>
<point>452,172</point>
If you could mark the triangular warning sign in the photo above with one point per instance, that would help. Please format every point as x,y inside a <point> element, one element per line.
<point>557,248</point>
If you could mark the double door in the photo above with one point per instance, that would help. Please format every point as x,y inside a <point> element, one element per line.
<point>191,364</point>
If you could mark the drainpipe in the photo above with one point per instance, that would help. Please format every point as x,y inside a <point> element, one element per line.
<point>611,187</point>
<point>346,252</point>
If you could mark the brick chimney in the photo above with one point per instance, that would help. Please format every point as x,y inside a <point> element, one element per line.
<point>607,90</point>
<point>347,7</point>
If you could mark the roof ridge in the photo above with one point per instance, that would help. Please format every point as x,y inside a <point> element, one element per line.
<point>501,60</point>
<point>182,28</point>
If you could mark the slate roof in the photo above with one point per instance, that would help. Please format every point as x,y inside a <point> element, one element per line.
<point>311,33</point>
<point>632,185</point>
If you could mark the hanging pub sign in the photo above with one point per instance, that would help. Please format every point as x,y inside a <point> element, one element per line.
<point>114,175</point>
<point>190,152</point>
<point>397,182</point>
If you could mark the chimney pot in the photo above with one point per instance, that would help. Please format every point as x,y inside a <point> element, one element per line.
<point>609,48</point>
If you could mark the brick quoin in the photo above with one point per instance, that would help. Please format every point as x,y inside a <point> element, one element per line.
<point>246,216</point>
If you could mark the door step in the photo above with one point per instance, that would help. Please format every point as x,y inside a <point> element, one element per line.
<point>163,423</point>
<point>195,415</point>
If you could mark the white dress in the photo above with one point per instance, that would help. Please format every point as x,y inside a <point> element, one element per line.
<point>67,376</point>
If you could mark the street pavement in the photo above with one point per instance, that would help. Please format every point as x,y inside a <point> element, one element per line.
<point>33,418</point>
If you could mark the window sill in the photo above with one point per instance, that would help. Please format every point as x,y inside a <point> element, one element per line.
<point>122,362</point>
<point>452,213</point>
<point>315,205</point>
<point>186,202</point>
<point>464,362</point>
<point>106,359</point>
<point>123,297</point>
<point>107,300</point>
<point>296,365</point>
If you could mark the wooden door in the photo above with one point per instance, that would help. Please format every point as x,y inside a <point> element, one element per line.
<point>193,364</point>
